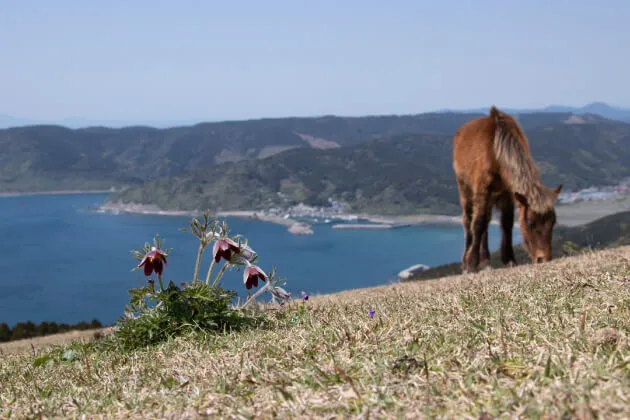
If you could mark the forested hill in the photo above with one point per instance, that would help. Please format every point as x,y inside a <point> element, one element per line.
<point>47,157</point>
<point>402,174</point>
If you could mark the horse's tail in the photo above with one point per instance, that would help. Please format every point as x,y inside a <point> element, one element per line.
<point>512,151</point>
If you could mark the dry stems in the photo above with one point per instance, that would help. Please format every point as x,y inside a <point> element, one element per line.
<point>542,341</point>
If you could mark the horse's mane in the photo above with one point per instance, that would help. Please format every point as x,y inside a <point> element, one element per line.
<point>511,149</point>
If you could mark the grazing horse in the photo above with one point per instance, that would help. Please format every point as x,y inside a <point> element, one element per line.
<point>494,168</point>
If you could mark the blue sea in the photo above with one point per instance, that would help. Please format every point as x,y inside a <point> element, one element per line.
<point>62,261</point>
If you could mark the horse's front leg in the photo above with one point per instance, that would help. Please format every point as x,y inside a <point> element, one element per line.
<point>506,206</point>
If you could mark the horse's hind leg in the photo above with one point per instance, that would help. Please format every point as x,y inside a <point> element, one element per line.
<point>484,260</point>
<point>465,199</point>
<point>481,219</point>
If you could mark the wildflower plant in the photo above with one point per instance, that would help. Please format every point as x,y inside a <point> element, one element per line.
<point>155,314</point>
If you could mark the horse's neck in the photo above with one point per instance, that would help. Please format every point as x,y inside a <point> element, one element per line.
<point>537,196</point>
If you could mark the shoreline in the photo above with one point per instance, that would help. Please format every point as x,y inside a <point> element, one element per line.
<point>56,192</point>
<point>573,214</point>
<point>570,214</point>
<point>293,226</point>
<point>378,221</point>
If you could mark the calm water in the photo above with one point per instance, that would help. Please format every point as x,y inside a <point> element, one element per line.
<point>60,261</point>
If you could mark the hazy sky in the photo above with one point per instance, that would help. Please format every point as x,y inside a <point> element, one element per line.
<point>182,60</point>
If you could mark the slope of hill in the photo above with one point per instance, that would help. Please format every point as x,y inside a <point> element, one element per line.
<point>44,157</point>
<point>404,174</point>
<point>537,341</point>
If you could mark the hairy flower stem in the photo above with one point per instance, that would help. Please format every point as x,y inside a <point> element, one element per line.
<point>198,262</point>
<point>214,283</point>
<point>210,273</point>
<point>255,295</point>
<point>160,281</point>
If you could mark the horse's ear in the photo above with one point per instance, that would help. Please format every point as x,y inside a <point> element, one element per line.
<point>521,199</point>
<point>495,114</point>
<point>556,191</point>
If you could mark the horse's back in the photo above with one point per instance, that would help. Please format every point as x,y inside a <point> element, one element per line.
<point>472,147</point>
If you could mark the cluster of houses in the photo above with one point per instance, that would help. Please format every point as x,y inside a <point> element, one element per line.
<point>596,193</point>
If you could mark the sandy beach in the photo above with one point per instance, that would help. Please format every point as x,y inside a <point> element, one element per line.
<point>583,212</point>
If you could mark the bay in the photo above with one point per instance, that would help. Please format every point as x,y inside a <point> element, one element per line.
<point>61,261</point>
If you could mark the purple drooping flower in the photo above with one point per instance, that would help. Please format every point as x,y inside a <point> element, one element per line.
<point>371,313</point>
<point>304,296</point>
<point>223,248</point>
<point>154,260</point>
<point>251,275</point>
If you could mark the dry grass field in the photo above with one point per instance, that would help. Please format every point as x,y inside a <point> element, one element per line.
<point>545,341</point>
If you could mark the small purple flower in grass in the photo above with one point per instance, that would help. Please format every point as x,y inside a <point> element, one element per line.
<point>251,274</point>
<point>154,260</point>
<point>371,313</point>
<point>223,248</point>
<point>304,296</point>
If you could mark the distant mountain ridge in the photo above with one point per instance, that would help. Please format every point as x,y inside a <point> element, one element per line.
<point>388,164</point>
<point>400,174</point>
<point>598,108</point>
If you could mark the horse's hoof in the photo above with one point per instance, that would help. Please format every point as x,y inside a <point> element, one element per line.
<point>487,267</point>
<point>511,264</point>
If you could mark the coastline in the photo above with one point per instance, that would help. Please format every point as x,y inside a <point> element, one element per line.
<point>56,192</point>
<point>293,225</point>
<point>568,215</point>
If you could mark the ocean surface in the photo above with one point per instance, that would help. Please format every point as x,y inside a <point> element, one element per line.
<point>62,261</point>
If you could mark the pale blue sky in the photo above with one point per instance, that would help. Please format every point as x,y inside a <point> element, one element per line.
<point>183,60</point>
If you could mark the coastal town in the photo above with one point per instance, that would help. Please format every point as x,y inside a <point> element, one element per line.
<point>299,219</point>
<point>595,193</point>
<point>335,214</point>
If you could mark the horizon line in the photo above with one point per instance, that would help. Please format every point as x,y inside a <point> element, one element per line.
<point>165,124</point>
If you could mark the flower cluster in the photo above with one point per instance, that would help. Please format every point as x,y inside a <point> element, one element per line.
<point>235,253</point>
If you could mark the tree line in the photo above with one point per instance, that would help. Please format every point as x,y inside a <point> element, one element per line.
<point>29,329</point>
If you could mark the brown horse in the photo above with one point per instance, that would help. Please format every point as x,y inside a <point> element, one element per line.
<point>494,168</point>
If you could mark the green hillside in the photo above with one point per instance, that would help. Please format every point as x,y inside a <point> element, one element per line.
<point>403,174</point>
<point>46,157</point>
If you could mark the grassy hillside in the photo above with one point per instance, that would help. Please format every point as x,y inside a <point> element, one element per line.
<point>46,157</point>
<point>607,232</point>
<point>543,341</point>
<point>403,174</point>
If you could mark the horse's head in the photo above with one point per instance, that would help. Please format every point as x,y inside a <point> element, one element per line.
<point>537,226</point>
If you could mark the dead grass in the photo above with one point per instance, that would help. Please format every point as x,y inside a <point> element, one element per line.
<point>546,341</point>
<point>41,343</point>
